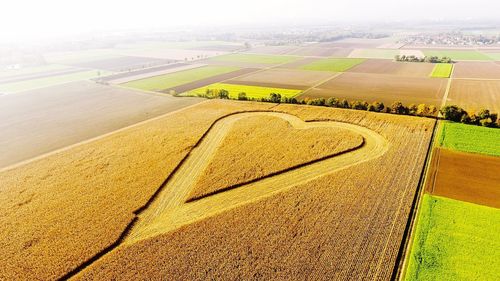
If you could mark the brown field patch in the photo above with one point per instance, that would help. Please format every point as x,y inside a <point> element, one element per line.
<point>481,70</point>
<point>383,88</point>
<point>291,78</point>
<point>465,176</point>
<point>238,149</point>
<point>473,95</point>
<point>382,66</point>
<point>61,210</point>
<point>299,62</point>
<point>208,81</point>
<point>345,224</point>
<point>354,43</point>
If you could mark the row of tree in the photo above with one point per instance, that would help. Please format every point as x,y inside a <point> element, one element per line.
<point>452,113</point>
<point>431,59</point>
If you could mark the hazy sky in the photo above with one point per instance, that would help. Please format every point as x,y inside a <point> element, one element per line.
<point>37,19</point>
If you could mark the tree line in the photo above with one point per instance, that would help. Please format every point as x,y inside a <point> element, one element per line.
<point>450,112</point>
<point>431,59</point>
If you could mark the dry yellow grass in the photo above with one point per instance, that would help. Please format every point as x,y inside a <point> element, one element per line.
<point>345,223</point>
<point>59,211</point>
<point>244,156</point>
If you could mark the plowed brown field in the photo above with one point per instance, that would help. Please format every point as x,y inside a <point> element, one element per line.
<point>383,88</point>
<point>465,176</point>
<point>481,70</point>
<point>408,69</point>
<point>473,95</point>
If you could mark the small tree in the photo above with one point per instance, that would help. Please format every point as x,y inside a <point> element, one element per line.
<point>412,109</point>
<point>332,102</point>
<point>276,98</point>
<point>242,96</point>
<point>344,104</point>
<point>453,113</point>
<point>422,110</point>
<point>359,105</point>
<point>223,94</point>
<point>398,108</point>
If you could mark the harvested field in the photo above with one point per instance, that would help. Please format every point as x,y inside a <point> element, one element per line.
<point>332,64</point>
<point>287,78</point>
<point>408,69</point>
<point>208,81</point>
<point>40,121</point>
<point>469,138</point>
<point>122,63</point>
<point>321,52</point>
<point>255,92</point>
<point>374,53</point>
<point>406,52</point>
<point>32,70</point>
<point>99,185</point>
<point>480,70</point>
<point>457,54</point>
<point>122,78</point>
<point>299,63</point>
<point>171,54</point>
<point>382,88</point>
<point>254,58</point>
<point>442,70</point>
<point>38,75</point>
<point>43,82</point>
<point>171,80</point>
<point>219,48</point>
<point>273,50</point>
<point>466,177</point>
<point>358,43</point>
<point>238,149</point>
<point>455,240</point>
<point>473,95</point>
<point>343,215</point>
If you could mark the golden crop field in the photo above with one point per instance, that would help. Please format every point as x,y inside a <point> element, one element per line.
<point>127,214</point>
<point>242,157</point>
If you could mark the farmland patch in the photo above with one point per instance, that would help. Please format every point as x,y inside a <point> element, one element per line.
<point>289,78</point>
<point>382,88</point>
<point>474,95</point>
<point>455,240</point>
<point>442,70</point>
<point>374,53</point>
<point>122,63</point>
<point>254,58</point>
<point>457,54</point>
<point>256,92</point>
<point>480,70</point>
<point>468,138</point>
<point>332,64</point>
<point>393,68</point>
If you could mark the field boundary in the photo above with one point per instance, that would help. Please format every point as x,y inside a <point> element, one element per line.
<point>401,264</point>
<point>448,87</point>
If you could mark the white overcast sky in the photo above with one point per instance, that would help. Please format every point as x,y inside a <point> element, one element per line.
<point>47,18</point>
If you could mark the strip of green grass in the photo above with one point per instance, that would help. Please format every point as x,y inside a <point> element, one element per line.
<point>251,91</point>
<point>457,55</point>
<point>469,138</point>
<point>455,240</point>
<point>50,81</point>
<point>333,64</point>
<point>162,82</point>
<point>442,70</point>
<point>252,58</point>
<point>494,56</point>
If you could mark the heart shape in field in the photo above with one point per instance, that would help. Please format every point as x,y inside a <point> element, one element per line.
<point>172,209</point>
<point>262,145</point>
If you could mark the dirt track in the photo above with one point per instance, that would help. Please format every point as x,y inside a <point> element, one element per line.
<point>169,210</point>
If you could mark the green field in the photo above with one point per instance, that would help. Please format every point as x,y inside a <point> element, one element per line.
<point>470,138</point>
<point>333,64</point>
<point>162,82</point>
<point>442,70</point>
<point>50,81</point>
<point>374,53</point>
<point>455,240</point>
<point>494,56</point>
<point>251,91</point>
<point>251,58</point>
<point>457,55</point>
